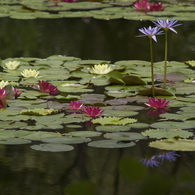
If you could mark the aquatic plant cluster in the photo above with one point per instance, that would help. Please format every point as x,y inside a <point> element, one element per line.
<point>105,10</point>
<point>34,96</point>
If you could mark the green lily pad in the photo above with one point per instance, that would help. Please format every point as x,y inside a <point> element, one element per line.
<point>52,147</point>
<point>166,133</point>
<point>67,140</point>
<point>15,141</point>
<point>110,144</point>
<point>114,120</point>
<point>112,128</point>
<point>174,144</point>
<point>84,133</point>
<point>125,136</point>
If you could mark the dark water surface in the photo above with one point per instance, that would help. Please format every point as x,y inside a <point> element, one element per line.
<point>87,170</point>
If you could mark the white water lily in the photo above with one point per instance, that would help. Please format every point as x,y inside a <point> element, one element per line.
<point>101,69</point>
<point>30,73</point>
<point>12,65</point>
<point>3,84</point>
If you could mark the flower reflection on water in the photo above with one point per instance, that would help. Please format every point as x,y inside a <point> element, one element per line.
<point>157,112</point>
<point>157,160</point>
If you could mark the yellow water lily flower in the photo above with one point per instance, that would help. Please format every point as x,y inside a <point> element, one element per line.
<point>12,65</point>
<point>101,69</point>
<point>3,84</point>
<point>30,73</point>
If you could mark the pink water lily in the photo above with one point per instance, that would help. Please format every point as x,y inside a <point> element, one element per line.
<point>146,6</point>
<point>92,111</point>
<point>46,87</point>
<point>17,93</point>
<point>75,105</point>
<point>3,92</point>
<point>157,103</point>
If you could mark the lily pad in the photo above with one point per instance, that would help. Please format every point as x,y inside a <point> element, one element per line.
<point>112,128</point>
<point>110,144</point>
<point>84,133</point>
<point>174,144</point>
<point>52,147</point>
<point>114,120</point>
<point>167,133</point>
<point>15,141</point>
<point>125,136</point>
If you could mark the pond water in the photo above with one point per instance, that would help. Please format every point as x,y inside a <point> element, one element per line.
<point>87,170</point>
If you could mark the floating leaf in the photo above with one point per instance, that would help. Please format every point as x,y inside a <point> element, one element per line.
<point>52,147</point>
<point>84,133</point>
<point>174,144</point>
<point>114,120</point>
<point>14,141</point>
<point>167,133</point>
<point>111,128</point>
<point>110,144</point>
<point>124,136</point>
<point>67,140</point>
<point>39,111</point>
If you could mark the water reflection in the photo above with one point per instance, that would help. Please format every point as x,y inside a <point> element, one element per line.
<point>157,159</point>
<point>89,38</point>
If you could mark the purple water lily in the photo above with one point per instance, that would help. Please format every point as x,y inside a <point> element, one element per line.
<point>166,24</point>
<point>151,32</point>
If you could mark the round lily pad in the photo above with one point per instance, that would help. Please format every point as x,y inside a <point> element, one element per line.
<point>84,133</point>
<point>110,144</point>
<point>52,147</point>
<point>167,133</point>
<point>67,140</point>
<point>112,128</point>
<point>125,136</point>
<point>174,144</point>
<point>15,141</point>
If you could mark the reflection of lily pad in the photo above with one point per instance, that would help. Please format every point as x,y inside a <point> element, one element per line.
<point>110,144</point>
<point>173,144</point>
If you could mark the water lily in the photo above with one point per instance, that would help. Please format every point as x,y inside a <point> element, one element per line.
<point>166,25</point>
<point>75,105</point>
<point>157,103</point>
<point>142,6</point>
<point>46,87</point>
<point>145,6</point>
<point>101,69</point>
<point>3,93</point>
<point>17,93</point>
<point>150,161</point>
<point>12,65</point>
<point>92,111</point>
<point>156,6</point>
<point>3,84</point>
<point>151,32</point>
<point>27,73</point>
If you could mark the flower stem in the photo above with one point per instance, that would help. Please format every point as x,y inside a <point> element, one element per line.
<point>152,66</point>
<point>165,65</point>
